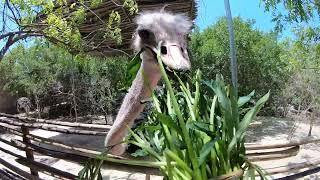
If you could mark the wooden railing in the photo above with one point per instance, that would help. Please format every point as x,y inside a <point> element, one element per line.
<point>21,126</point>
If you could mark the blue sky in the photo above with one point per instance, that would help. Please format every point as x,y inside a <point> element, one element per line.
<point>210,10</point>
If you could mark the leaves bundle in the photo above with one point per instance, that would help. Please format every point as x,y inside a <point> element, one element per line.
<point>198,129</point>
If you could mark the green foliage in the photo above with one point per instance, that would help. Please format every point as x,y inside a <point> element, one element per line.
<point>61,19</point>
<point>260,66</point>
<point>91,170</point>
<point>94,82</point>
<point>28,72</point>
<point>288,11</point>
<point>202,129</point>
<point>302,89</point>
<point>132,69</point>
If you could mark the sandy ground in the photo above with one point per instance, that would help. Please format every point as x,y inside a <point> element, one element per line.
<point>264,130</point>
<point>270,130</point>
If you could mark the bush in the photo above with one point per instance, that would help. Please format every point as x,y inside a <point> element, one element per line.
<point>88,84</point>
<point>260,66</point>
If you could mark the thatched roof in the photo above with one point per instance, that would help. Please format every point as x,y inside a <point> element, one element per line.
<point>101,46</point>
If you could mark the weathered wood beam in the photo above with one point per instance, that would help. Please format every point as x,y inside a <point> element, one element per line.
<point>292,168</point>
<point>69,124</point>
<point>18,170</point>
<point>273,154</point>
<point>280,145</point>
<point>31,163</point>
<point>51,127</point>
<point>45,168</point>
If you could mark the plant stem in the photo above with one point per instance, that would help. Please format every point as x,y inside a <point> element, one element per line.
<point>192,154</point>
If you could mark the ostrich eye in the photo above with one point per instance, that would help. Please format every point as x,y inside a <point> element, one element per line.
<point>188,37</point>
<point>163,50</point>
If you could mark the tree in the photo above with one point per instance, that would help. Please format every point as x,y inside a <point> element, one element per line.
<point>58,21</point>
<point>302,90</point>
<point>29,73</point>
<point>293,12</point>
<point>89,85</point>
<point>258,55</point>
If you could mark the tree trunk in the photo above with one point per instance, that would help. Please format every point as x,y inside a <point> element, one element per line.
<point>74,102</point>
<point>311,123</point>
<point>105,118</point>
<point>38,105</point>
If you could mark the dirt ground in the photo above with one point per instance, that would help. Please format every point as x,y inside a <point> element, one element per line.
<point>264,130</point>
<point>269,130</point>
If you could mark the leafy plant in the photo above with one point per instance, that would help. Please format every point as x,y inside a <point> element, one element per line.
<point>91,170</point>
<point>202,129</point>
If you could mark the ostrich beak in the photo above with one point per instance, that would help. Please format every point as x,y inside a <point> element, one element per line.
<point>175,57</point>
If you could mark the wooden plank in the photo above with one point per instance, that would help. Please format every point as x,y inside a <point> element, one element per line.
<point>42,167</point>
<point>8,175</point>
<point>18,170</point>
<point>76,149</point>
<point>281,145</point>
<point>122,163</point>
<point>293,167</point>
<point>51,127</point>
<point>31,163</point>
<point>68,124</point>
<point>273,154</point>
<point>301,174</point>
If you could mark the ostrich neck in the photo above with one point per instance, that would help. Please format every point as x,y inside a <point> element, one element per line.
<point>141,89</point>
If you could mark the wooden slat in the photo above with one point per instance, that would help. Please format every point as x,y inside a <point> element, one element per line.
<point>18,170</point>
<point>8,175</point>
<point>68,124</point>
<point>281,145</point>
<point>51,127</point>
<point>31,163</point>
<point>293,167</point>
<point>273,154</point>
<point>301,174</point>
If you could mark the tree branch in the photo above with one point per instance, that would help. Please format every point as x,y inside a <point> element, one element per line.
<point>15,37</point>
<point>16,19</point>
<point>16,33</point>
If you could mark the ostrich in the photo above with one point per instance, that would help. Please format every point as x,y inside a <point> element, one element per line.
<point>152,28</point>
<point>24,104</point>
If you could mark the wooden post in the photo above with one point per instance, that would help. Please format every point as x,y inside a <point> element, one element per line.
<point>29,152</point>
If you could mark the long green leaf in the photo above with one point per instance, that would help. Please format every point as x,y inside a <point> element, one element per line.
<point>201,126</point>
<point>132,69</point>
<point>247,120</point>
<point>205,150</point>
<point>244,99</point>
<point>167,120</point>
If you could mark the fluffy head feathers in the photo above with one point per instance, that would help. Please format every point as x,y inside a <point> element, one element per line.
<point>164,26</point>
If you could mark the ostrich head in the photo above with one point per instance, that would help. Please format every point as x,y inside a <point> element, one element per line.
<point>171,30</point>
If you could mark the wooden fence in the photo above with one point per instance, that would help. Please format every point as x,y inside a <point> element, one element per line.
<point>21,126</point>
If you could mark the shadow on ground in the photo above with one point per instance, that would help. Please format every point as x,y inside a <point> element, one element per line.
<point>269,128</point>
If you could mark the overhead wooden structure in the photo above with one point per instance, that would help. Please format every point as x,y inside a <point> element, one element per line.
<point>107,46</point>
